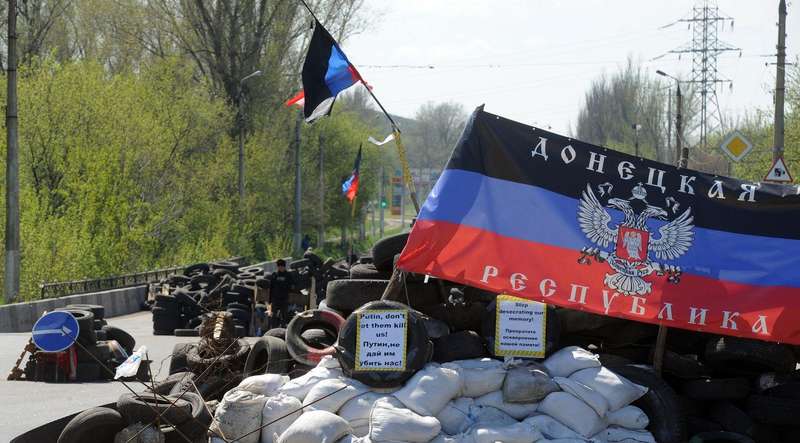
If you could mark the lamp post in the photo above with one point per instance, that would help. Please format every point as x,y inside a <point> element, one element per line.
<point>636,127</point>
<point>682,152</point>
<point>241,122</point>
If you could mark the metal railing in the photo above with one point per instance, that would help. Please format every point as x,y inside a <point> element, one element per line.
<point>60,289</point>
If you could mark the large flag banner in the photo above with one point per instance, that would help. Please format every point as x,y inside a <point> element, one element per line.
<point>531,213</point>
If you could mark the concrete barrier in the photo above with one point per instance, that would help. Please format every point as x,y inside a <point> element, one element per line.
<point>20,317</point>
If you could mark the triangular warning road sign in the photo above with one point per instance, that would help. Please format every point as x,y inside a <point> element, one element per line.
<point>778,173</point>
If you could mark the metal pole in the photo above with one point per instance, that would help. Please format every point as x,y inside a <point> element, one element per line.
<point>297,214</point>
<point>241,150</point>
<point>321,233</point>
<point>636,139</point>
<point>780,82</point>
<point>669,123</point>
<point>383,195</point>
<point>12,163</point>
<point>683,151</point>
<point>372,210</point>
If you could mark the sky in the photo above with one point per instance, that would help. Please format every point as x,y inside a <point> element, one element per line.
<point>533,60</point>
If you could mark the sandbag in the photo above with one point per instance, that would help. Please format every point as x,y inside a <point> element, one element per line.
<point>148,435</point>
<point>591,397</point>
<point>618,390</point>
<point>322,396</point>
<point>629,417</point>
<point>479,376</point>
<point>454,417</point>
<point>280,405</point>
<point>480,415</point>
<point>238,413</point>
<point>550,427</point>
<point>620,435</point>
<point>353,439</point>
<point>265,384</point>
<point>429,390</point>
<point>569,360</point>
<point>300,386</point>
<point>356,410</point>
<point>514,433</point>
<point>388,423</point>
<point>316,427</point>
<point>572,412</point>
<point>527,384</point>
<point>516,410</point>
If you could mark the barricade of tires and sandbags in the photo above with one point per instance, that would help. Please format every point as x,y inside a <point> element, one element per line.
<point>99,347</point>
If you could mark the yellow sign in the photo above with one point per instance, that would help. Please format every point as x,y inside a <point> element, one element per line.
<point>736,146</point>
<point>520,327</point>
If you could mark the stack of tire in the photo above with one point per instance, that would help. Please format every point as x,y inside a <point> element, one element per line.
<point>727,388</point>
<point>100,349</point>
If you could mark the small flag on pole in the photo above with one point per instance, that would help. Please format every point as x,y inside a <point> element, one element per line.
<point>350,186</point>
<point>326,73</point>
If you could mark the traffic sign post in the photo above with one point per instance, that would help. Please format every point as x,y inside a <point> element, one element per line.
<point>778,172</point>
<point>736,146</point>
<point>55,331</point>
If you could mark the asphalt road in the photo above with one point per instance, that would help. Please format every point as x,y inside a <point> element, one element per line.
<point>25,405</point>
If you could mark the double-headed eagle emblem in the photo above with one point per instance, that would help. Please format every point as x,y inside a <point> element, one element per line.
<point>632,239</point>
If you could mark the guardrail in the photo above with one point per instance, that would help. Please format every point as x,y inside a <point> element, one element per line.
<point>60,289</point>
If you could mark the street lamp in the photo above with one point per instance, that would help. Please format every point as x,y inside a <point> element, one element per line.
<point>241,121</point>
<point>636,127</point>
<point>682,152</point>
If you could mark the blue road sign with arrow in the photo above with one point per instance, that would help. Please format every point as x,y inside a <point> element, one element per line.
<point>55,331</point>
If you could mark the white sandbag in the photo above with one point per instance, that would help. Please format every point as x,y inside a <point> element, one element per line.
<point>354,439</point>
<point>629,417</point>
<point>429,390</point>
<point>329,395</point>
<point>585,393</point>
<point>388,423</point>
<point>480,415</point>
<point>550,427</point>
<point>572,412</point>
<point>618,390</point>
<point>527,384</point>
<point>454,417</point>
<point>570,359</point>
<point>621,435</point>
<point>264,384</point>
<point>300,386</point>
<point>275,407</point>
<point>516,410</point>
<point>444,438</point>
<point>478,376</point>
<point>356,411</point>
<point>513,433</point>
<point>139,433</point>
<point>239,412</point>
<point>316,427</point>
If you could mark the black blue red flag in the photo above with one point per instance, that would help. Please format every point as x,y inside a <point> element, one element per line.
<point>350,186</point>
<point>326,73</point>
<point>527,212</point>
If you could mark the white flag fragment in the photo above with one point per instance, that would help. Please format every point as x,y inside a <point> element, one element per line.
<point>388,138</point>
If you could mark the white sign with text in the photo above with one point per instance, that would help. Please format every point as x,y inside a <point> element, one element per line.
<point>381,340</point>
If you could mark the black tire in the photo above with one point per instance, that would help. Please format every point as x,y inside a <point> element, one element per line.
<point>85,319</point>
<point>240,314</point>
<point>300,350</point>
<point>739,356</point>
<point>732,418</point>
<point>198,362</point>
<point>177,361</point>
<point>319,338</point>
<point>200,419</point>
<point>458,346</point>
<point>144,408</point>
<point>187,333</point>
<point>199,268</point>
<point>267,356</point>
<point>349,295</point>
<point>204,282</point>
<point>95,424</point>
<point>276,332</point>
<point>165,386</point>
<point>241,306</point>
<point>552,328</point>
<point>418,348</point>
<point>88,371</point>
<point>299,264</point>
<point>239,331</point>
<point>696,425</point>
<point>384,250</point>
<point>101,335</point>
<point>661,404</point>
<point>683,366</point>
<point>368,272</point>
<point>466,317</point>
<point>99,311</point>
<point>720,437</point>
<point>195,321</point>
<point>123,338</point>
<point>98,324</point>
<point>92,353</point>
<point>226,265</point>
<point>245,292</point>
<point>716,389</point>
<point>773,410</point>
<point>313,258</point>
